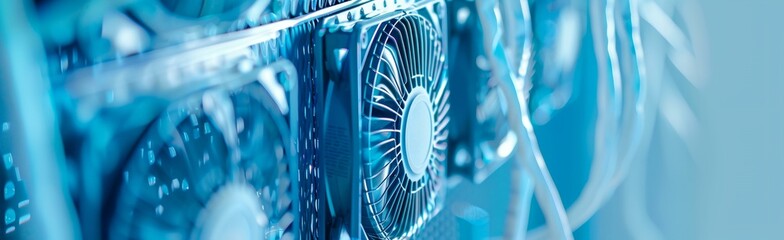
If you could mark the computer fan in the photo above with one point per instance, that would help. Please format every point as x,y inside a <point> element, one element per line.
<point>386,118</point>
<point>118,100</point>
<point>218,166</point>
<point>226,144</point>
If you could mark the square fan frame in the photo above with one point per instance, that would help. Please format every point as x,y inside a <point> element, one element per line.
<point>343,43</point>
<point>98,134</point>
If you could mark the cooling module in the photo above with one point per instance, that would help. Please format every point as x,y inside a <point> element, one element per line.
<point>215,166</point>
<point>385,117</point>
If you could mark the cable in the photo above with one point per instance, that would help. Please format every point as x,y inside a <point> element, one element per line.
<point>520,122</point>
<point>646,104</point>
<point>607,165</point>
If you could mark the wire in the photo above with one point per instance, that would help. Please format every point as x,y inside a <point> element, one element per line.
<point>520,122</point>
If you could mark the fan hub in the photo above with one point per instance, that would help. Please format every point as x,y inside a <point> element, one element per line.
<point>233,212</point>
<point>417,133</point>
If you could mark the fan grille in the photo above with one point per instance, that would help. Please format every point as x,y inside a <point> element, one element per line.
<point>405,65</point>
<point>177,179</point>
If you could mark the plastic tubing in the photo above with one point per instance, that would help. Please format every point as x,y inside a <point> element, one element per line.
<point>519,121</point>
<point>609,170</point>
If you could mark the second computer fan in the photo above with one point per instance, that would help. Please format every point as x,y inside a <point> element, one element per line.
<point>216,166</point>
<point>386,118</point>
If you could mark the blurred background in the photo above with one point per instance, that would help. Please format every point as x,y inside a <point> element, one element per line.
<point>740,158</point>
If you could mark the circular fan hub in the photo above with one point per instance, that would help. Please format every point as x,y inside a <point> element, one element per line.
<point>233,213</point>
<point>417,133</point>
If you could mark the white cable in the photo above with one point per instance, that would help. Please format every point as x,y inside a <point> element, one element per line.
<point>645,110</point>
<point>609,169</point>
<point>519,121</point>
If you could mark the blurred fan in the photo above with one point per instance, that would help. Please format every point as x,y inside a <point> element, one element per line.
<point>215,167</point>
<point>480,133</point>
